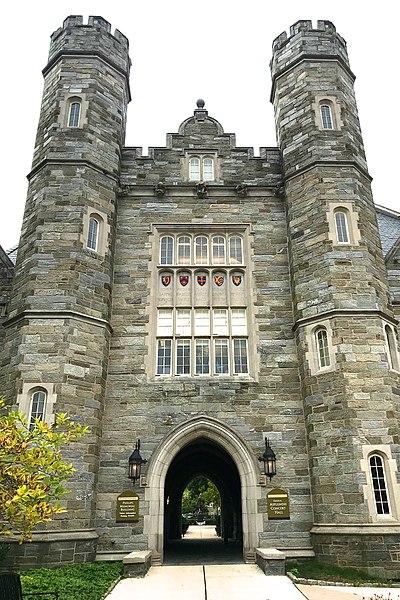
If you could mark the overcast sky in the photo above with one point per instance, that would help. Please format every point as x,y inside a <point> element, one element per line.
<point>182,50</point>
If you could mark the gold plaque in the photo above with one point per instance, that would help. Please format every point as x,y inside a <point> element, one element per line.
<point>127,508</point>
<point>278,504</point>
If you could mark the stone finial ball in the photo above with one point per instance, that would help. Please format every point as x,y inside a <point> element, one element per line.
<point>200,103</point>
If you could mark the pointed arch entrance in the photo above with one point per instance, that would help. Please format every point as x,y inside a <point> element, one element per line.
<point>213,436</point>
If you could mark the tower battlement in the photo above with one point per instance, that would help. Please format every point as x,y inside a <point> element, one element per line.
<point>75,36</point>
<point>306,41</point>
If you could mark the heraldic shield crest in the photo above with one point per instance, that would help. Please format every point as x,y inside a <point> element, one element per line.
<point>236,279</point>
<point>184,280</point>
<point>219,279</point>
<point>166,280</point>
<point>201,279</point>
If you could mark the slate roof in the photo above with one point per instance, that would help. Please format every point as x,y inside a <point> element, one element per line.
<point>389,227</point>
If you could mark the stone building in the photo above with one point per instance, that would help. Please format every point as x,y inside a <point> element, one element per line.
<point>202,299</point>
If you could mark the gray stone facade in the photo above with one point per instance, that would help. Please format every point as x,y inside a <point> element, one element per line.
<point>83,320</point>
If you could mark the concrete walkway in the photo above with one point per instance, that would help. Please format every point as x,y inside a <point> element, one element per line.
<point>206,582</point>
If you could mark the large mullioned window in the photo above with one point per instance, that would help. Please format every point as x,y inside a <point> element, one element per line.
<point>202,314</point>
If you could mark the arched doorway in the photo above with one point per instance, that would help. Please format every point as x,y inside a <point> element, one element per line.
<point>230,463</point>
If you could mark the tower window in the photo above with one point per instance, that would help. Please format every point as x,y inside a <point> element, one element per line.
<point>74,114</point>
<point>38,407</point>
<point>326,116</point>
<point>321,339</point>
<point>391,343</point>
<point>342,230</point>
<point>379,485</point>
<point>93,234</point>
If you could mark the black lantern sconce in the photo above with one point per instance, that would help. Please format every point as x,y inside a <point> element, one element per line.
<point>269,460</point>
<point>135,463</point>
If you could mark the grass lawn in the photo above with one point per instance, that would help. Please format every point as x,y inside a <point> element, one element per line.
<point>78,582</point>
<point>314,570</point>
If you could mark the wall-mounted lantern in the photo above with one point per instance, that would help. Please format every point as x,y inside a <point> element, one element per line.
<point>135,463</point>
<point>269,460</point>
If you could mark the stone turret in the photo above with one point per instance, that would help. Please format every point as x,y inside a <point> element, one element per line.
<point>339,288</point>
<point>58,327</point>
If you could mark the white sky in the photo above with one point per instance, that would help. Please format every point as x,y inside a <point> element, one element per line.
<point>182,50</point>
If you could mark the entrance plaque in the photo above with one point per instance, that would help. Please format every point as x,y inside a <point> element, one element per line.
<point>127,508</point>
<point>278,504</point>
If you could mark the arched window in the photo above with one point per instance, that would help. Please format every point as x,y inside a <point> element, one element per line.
<point>379,486</point>
<point>235,250</point>
<point>74,114</point>
<point>194,169</point>
<point>93,233</point>
<point>184,250</point>
<point>326,116</point>
<point>322,345</point>
<point>342,230</point>
<point>201,250</point>
<point>208,169</point>
<point>38,407</point>
<point>392,348</point>
<point>167,250</point>
<point>218,250</point>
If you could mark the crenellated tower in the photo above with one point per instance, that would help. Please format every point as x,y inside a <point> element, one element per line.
<point>342,316</point>
<point>58,328</point>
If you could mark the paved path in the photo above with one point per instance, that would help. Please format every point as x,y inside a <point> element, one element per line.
<point>208,582</point>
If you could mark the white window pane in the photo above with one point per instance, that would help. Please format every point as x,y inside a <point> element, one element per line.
<point>221,356</point>
<point>183,321</point>
<point>208,169</point>
<point>184,250</point>
<point>326,117</point>
<point>93,233</point>
<point>240,356</point>
<point>201,250</point>
<point>239,323</point>
<point>38,405</point>
<point>220,321</point>
<point>202,357</point>
<point>194,169</point>
<point>167,250</point>
<point>218,250</point>
<point>323,348</point>
<point>202,321</point>
<point>74,113</point>
<point>379,485</point>
<point>341,227</point>
<point>164,322</point>
<point>183,357</point>
<point>235,250</point>
<point>164,357</point>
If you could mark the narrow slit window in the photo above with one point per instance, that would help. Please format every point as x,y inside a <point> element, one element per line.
<point>167,250</point>
<point>93,233</point>
<point>391,343</point>
<point>379,485</point>
<point>74,114</point>
<point>326,116</point>
<point>322,344</point>
<point>342,230</point>
<point>38,407</point>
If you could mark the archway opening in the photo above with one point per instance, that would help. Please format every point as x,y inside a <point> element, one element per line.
<point>202,506</point>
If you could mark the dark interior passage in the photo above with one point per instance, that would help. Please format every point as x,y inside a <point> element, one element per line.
<point>207,458</point>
